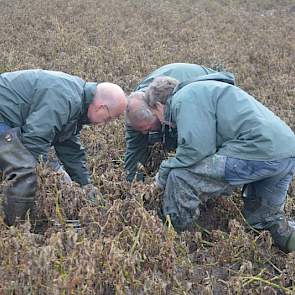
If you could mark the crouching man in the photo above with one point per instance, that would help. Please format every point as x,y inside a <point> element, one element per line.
<point>225,139</point>
<point>40,109</point>
<point>139,143</point>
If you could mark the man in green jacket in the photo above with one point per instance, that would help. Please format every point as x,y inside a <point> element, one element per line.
<point>137,143</point>
<point>226,139</point>
<point>40,109</point>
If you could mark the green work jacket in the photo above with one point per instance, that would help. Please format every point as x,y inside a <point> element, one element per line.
<point>136,142</point>
<point>216,117</point>
<point>50,108</point>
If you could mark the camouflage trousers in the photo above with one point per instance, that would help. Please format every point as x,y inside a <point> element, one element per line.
<point>267,183</point>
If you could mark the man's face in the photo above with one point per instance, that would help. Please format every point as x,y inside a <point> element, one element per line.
<point>146,126</point>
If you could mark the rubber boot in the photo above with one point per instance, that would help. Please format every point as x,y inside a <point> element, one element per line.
<point>261,215</point>
<point>283,234</point>
<point>252,209</point>
<point>18,168</point>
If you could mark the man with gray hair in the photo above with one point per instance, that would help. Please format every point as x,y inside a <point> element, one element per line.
<point>226,139</point>
<point>148,130</point>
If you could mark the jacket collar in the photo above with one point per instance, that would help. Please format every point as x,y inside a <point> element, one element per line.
<point>89,90</point>
<point>168,123</point>
<point>168,111</point>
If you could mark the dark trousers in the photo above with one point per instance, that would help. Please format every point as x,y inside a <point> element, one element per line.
<point>19,175</point>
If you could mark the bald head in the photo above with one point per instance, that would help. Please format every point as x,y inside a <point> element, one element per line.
<point>108,103</point>
<point>113,96</point>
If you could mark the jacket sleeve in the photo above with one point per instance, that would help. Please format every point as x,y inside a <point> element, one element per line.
<point>196,127</point>
<point>136,151</point>
<point>72,155</point>
<point>49,112</point>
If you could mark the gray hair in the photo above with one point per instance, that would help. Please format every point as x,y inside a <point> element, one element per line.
<point>159,90</point>
<point>137,109</point>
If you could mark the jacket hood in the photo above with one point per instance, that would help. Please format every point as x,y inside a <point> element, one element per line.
<point>225,77</point>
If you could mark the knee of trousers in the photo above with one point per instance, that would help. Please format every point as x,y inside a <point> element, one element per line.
<point>19,196</point>
<point>179,177</point>
<point>19,170</point>
<point>180,201</point>
<point>22,185</point>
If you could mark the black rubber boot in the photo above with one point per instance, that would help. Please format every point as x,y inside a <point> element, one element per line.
<point>283,234</point>
<point>19,170</point>
<point>252,210</point>
<point>263,216</point>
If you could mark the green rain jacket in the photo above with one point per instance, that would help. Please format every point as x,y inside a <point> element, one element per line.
<point>50,108</point>
<point>136,142</point>
<point>216,117</point>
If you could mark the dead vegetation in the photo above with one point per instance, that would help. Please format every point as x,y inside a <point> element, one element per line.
<point>122,246</point>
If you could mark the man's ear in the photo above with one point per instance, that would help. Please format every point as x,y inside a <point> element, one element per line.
<point>159,106</point>
<point>98,107</point>
<point>159,111</point>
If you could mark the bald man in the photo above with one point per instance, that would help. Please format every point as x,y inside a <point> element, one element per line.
<point>40,109</point>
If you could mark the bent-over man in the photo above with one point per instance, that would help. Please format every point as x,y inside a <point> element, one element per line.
<point>138,142</point>
<point>40,109</point>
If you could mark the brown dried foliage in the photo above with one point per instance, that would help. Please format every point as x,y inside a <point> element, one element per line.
<point>122,246</point>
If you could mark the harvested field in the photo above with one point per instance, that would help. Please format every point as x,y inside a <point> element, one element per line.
<point>122,246</point>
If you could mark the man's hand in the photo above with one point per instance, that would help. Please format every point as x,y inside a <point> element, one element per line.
<point>93,194</point>
<point>158,182</point>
